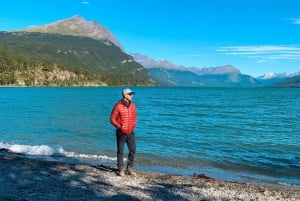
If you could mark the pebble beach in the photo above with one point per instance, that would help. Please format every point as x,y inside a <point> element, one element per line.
<point>31,179</point>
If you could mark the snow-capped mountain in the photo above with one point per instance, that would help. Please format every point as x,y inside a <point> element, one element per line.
<point>273,78</point>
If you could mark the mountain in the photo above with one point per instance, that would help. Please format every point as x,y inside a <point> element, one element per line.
<point>77,26</point>
<point>34,58</point>
<point>167,73</point>
<point>151,63</point>
<point>74,51</point>
<point>289,82</point>
<point>273,78</point>
<point>187,78</point>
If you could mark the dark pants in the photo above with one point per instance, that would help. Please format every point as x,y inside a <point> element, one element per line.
<point>130,141</point>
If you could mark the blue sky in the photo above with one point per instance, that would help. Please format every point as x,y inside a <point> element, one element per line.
<point>255,36</point>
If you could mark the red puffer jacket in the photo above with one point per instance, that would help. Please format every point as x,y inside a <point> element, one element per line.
<point>123,117</point>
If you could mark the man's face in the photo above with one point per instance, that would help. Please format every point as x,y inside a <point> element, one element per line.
<point>129,96</point>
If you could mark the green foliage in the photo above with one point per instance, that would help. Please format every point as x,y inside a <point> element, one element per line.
<point>37,58</point>
<point>7,79</point>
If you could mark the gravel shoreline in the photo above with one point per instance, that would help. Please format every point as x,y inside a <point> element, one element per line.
<point>30,179</point>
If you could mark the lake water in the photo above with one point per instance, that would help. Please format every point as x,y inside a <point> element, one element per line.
<point>239,134</point>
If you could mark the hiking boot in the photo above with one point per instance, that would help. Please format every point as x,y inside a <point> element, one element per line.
<point>121,172</point>
<point>131,171</point>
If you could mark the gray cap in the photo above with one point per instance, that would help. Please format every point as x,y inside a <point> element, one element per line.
<point>127,91</point>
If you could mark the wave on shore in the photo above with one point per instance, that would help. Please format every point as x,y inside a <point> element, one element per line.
<point>45,150</point>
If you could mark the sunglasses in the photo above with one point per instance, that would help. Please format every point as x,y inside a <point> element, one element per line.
<point>130,94</point>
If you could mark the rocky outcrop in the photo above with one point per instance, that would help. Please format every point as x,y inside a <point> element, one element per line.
<point>55,76</point>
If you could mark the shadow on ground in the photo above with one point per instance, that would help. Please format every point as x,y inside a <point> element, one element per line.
<point>30,179</point>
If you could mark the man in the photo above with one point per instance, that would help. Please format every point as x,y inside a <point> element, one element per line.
<point>123,118</point>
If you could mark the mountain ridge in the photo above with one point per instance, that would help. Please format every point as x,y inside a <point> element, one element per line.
<point>210,76</point>
<point>77,26</point>
<point>173,75</point>
<point>164,71</point>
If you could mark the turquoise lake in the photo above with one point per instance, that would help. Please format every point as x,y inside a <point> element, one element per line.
<point>238,134</point>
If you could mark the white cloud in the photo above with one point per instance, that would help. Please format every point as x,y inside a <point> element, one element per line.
<point>296,21</point>
<point>259,48</point>
<point>191,55</point>
<point>263,53</point>
<point>85,2</point>
<point>261,61</point>
<point>32,26</point>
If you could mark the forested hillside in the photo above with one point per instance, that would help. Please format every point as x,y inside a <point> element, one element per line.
<point>41,59</point>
